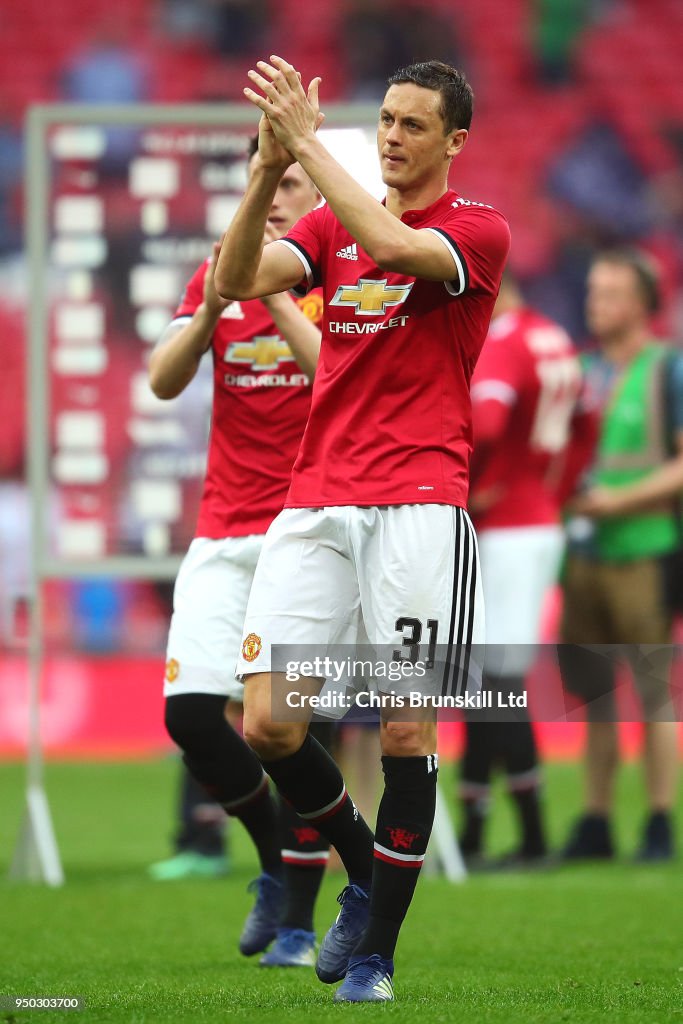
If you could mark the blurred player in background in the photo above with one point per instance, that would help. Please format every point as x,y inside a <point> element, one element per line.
<point>623,579</point>
<point>374,534</point>
<point>524,394</point>
<point>261,402</point>
<point>202,830</point>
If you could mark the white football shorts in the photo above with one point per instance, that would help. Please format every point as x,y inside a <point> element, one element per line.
<point>209,605</point>
<point>518,565</point>
<point>404,577</point>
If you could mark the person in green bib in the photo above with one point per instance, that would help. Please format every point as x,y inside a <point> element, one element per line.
<point>624,533</point>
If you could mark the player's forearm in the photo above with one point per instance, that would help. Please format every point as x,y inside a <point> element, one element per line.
<point>302,336</point>
<point>664,484</point>
<point>175,360</point>
<point>242,248</point>
<point>384,237</point>
<point>576,460</point>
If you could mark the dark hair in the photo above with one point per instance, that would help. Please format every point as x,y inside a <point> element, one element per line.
<point>644,268</point>
<point>252,148</point>
<point>456,92</point>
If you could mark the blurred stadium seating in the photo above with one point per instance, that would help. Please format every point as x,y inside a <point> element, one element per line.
<point>626,72</point>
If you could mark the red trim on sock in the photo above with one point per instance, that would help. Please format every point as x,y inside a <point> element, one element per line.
<point>331,813</point>
<point>235,808</point>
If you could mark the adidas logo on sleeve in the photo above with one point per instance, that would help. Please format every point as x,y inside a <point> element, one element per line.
<point>349,252</point>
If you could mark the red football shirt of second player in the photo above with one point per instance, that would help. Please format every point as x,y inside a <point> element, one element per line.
<point>390,415</point>
<point>260,405</point>
<point>524,394</point>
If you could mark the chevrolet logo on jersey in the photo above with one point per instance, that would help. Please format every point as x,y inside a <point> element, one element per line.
<point>263,353</point>
<point>371,298</point>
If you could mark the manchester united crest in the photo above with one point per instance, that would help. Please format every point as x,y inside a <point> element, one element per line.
<point>401,838</point>
<point>311,306</point>
<point>172,670</point>
<point>251,647</point>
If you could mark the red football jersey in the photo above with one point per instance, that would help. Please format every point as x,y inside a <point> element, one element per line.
<point>260,404</point>
<point>524,393</point>
<point>390,419</point>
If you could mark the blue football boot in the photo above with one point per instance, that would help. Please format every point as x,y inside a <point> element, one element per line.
<point>293,947</point>
<point>344,935</point>
<point>260,927</point>
<point>368,980</point>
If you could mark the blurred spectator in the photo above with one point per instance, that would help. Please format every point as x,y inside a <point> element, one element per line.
<point>98,607</point>
<point>602,199</point>
<point>623,578</point>
<point>240,25</point>
<point>380,37</point>
<point>187,22</point>
<point>599,178</point>
<point>559,291</point>
<point>109,70</point>
<point>11,168</point>
<point>667,200</point>
<point>524,394</point>
<point>199,844</point>
<point>232,28</point>
<point>556,29</point>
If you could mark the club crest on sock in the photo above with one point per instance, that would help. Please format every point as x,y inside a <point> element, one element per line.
<point>401,838</point>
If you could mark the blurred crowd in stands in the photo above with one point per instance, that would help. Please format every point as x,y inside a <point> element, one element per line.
<point>577,138</point>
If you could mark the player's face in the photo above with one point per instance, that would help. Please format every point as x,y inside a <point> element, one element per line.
<point>614,303</point>
<point>296,195</point>
<point>413,148</point>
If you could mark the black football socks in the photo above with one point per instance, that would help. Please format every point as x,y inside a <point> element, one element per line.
<point>404,824</point>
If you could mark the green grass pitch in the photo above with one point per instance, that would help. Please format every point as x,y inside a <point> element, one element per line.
<point>583,944</point>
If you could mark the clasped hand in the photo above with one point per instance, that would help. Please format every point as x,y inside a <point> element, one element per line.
<point>290,115</point>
